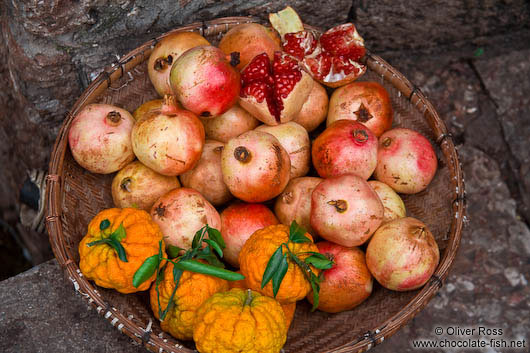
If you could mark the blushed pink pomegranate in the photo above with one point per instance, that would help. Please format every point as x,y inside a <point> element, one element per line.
<point>138,186</point>
<point>255,166</point>
<point>230,124</point>
<point>164,55</point>
<point>100,138</point>
<point>345,147</point>
<point>365,102</point>
<point>295,139</point>
<point>168,140</point>
<point>406,161</point>
<point>315,108</point>
<point>182,212</point>
<point>238,222</point>
<point>294,203</point>
<point>345,210</point>
<point>206,177</point>
<point>393,204</point>
<point>348,283</point>
<point>274,92</point>
<point>403,254</point>
<point>205,82</point>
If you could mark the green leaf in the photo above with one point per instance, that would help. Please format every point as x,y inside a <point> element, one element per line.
<point>216,236</point>
<point>104,224</point>
<point>322,263</point>
<point>272,266</point>
<point>277,277</point>
<point>197,238</point>
<point>119,234</point>
<point>199,267</point>
<point>173,251</point>
<point>315,285</point>
<point>119,249</point>
<point>297,234</point>
<point>144,272</point>
<point>215,246</point>
<point>211,259</point>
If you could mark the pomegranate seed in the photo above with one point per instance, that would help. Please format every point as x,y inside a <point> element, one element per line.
<point>320,65</point>
<point>299,44</point>
<point>258,69</point>
<point>343,40</point>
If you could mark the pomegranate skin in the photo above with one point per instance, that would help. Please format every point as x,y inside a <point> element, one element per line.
<point>171,143</point>
<point>147,108</point>
<point>249,40</point>
<point>138,186</point>
<point>181,213</point>
<point>238,222</point>
<point>295,139</point>
<point>345,210</point>
<point>255,166</point>
<point>204,81</point>
<point>348,283</point>
<point>345,147</point>
<point>393,204</point>
<point>206,177</point>
<point>294,203</point>
<point>406,161</point>
<point>230,124</point>
<point>365,102</point>
<point>164,55</point>
<point>315,108</point>
<point>100,138</point>
<point>403,254</point>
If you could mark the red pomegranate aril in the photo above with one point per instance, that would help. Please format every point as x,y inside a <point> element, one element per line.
<point>300,44</point>
<point>343,40</point>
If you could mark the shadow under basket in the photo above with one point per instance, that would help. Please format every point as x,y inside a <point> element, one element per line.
<point>74,196</point>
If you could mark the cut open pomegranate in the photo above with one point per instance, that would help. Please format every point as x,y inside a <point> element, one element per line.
<point>274,92</point>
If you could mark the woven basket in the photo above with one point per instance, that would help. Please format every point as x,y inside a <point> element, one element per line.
<point>74,196</point>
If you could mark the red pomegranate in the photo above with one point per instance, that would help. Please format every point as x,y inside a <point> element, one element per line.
<point>346,146</point>
<point>164,55</point>
<point>182,212</point>
<point>205,81</point>
<point>238,222</point>
<point>249,40</point>
<point>274,92</point>
<point>365,102</point>
<point>402,255</point>
<point>100,138</point>
<point>345,210</point>
<point>168,140</point>
<point>255,166</point>
<point>406,161</point>
<point>315,108</point>
<point>230,124</point>
<point>206,177</point>
<point>348,283</point>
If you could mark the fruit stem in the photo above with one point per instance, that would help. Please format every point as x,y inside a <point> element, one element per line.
<point>360,135</point>
<point>340,205</point>
<point>242,154</point>
<point>249,297</point>
<point>113,118</point>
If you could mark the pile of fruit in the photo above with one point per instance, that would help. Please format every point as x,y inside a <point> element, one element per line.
<point>199,171</point>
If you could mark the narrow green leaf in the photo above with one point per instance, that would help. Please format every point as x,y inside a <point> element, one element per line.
<point>119,234</point>
<point>177,273</point>
<point>315,286</point>
<point>119,249</point>
<point>144,272</point>
<point>214,246</point>
<point>199,267</point>
<point>216,236</point>
<point>297,234</point>
<point>173,251</point>
<point>319,262</point>
<point>97,242</point>
<point>197,238</point>
<point>277,277</point>
<point>211,259</point>
<point>104,224</point>
<point>272,266</point>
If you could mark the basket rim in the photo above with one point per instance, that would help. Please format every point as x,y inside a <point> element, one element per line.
<point>145,336</point>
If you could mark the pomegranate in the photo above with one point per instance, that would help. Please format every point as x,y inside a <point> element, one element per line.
<point>274,93</point>
<point>345,210</point>
<point>238,222</point>
<point>164,55</point>
<point>205,81</point>
<point>100,138</point>
<point>230,124</point>
<point>249,40</point>
<point>393,204</point>
<point>206,177</point>
<point>295,139</point>
<point>365,102</point>
<point>255,166</point>
<point>181,213</point>
<point>315,108</point>
<point>147,107</point>
<point>348,283</point>
<point>168,140</point>
<point>294,203</point>
<point>138,186</point>
<point>346,146</point>
<point>334,59</point>
<point>406,161</point>
<point>402,255</point>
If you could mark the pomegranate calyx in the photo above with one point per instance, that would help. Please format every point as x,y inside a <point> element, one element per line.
<point>170,106</point>
<point>235,58</point>
<point>113,118</point>
<point>340,205</point>
<point>363,114</point>
<point>125,184</point>
<point>387,142</point>
<point>242,154</point>
<point>360,136</point>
